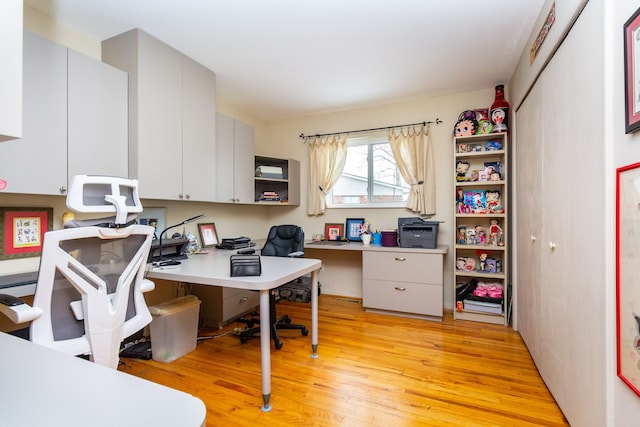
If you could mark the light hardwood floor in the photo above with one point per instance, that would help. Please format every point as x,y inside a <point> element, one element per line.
<point>372,370</point>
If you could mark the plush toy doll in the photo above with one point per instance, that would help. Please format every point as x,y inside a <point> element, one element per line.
<point>494,201</point>
<point>466,125</point>
<point>461,170</point>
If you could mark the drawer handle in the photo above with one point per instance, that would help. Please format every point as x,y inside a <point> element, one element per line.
<point>401,259</point>
<point>398,288</point>
<point>244,299</point>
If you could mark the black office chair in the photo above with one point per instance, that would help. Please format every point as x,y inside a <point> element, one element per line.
<point>284,241</point>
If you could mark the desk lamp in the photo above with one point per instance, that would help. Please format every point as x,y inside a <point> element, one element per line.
<point>160,262</point>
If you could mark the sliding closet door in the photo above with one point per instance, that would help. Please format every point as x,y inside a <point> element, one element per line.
<point>560,223</point>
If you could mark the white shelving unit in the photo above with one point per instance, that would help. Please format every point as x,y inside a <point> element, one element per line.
<point>481,250</point>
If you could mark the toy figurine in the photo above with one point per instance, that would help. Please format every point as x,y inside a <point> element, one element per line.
<point>462,234</point>
<point>483,260</point>
<point>495,232</point>
<point>461,170</point>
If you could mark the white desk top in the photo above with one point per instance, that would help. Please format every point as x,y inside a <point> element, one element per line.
<point>43,387</point>
<point>359,246</point>
<point>213,269</point>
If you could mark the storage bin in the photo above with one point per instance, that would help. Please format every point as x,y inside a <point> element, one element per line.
<point>389,238</point>
<point>174,328</point>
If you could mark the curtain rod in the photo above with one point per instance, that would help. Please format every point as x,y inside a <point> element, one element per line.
<point>305,137</point>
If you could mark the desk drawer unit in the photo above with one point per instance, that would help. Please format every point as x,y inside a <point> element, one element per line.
<point>222,305</point>
<point>403,283</point>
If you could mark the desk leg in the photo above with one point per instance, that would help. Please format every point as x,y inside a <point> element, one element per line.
<point>265,349</point>
<point>314,314</point>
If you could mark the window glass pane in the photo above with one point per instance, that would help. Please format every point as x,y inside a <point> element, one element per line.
<point>351,188</point>
<point>388,186</point>
<point>370,176</point>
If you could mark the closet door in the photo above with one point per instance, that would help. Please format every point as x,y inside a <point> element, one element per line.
<point>563,304</point>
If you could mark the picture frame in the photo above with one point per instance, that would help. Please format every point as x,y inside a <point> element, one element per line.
<point>22,231</point>
<point>627,271</point>
<point>631,32</point>
<point>353,233</point>
<point>333,231</point>
<point>154,217</point>
<point>208,234</point>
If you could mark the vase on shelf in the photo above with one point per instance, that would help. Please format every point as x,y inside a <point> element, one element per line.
<point>499,111</point>
<point>366,239</point>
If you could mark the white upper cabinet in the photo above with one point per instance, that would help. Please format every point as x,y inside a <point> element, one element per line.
<point>75,120</point>
<point>11,70</point>
<point>171,116</point>
<point>235,151</point>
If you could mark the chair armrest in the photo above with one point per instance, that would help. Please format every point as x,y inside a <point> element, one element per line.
<point>147,285</point>
<point>17,310</point>
<point>296,254</point>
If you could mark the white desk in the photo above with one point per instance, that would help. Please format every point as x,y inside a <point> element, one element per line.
<point>213,269</point>
<point>44,387</point>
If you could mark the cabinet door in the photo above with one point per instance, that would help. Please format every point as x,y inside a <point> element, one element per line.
<point>97,137</point>
<point>235,151</point>
<point>224,158</point>
<point>244,162</point>
<point>198,132</point>
<point>37,163</point>
<point>11,71</point>
<point>158,145</point>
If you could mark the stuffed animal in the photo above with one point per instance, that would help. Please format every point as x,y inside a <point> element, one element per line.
<point>467,124</point>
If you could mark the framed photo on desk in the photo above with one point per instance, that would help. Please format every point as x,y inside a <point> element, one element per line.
<point>333,231</point>
<point>208,234</point>
<point>354,229</point>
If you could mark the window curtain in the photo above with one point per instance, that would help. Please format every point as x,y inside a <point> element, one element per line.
<point>326,162</point>
<point>414,157</point>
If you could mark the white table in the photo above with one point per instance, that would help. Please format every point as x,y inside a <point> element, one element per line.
<point>44,387</point>
<point>213,269</point>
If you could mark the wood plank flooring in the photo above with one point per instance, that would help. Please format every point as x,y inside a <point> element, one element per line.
<point>372,370</point>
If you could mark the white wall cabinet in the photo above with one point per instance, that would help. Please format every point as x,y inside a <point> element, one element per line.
<point>235,151</point>
<point>11,70</point>
<point>172,118</point>
<point>75,120</point>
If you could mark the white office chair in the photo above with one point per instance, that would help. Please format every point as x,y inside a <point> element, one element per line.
<point>89,295</point>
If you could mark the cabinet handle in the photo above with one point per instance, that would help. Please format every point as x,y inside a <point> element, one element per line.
<point>401,259</point>
<point>63,189</point>
<point>533,238</point>
<point>188,196</point>
<point>244,299</point>
<point>552,246</point>
<point>180,196</point>
<point>398,288</point>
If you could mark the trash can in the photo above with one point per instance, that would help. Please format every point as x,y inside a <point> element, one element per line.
<point>174,328</point>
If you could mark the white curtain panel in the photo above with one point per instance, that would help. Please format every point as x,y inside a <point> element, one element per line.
<point>327,156</point>
<point>412,151</point>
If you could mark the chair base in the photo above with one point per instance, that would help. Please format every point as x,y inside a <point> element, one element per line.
<point>283,322</point>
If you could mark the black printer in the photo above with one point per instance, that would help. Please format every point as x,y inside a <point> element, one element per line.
<point>415,232</point>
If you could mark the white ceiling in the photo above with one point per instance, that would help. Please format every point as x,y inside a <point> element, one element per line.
<point>283,58</point>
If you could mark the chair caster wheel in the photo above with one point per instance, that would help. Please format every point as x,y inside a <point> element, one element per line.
<point>278,344</point>
<point>243,340</point>
<point>305,332</point>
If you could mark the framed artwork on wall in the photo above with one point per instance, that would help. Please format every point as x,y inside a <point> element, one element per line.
<point>333,231</point>
<point>627,273</point>
<point>353,229</point>
<point>632,72</point>
<point>22,231</point>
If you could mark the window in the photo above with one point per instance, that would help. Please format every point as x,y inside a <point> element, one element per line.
<point>370,177</point>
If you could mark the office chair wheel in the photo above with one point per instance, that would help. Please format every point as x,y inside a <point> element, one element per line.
<point>304,331</point>
<point>278,344</point>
